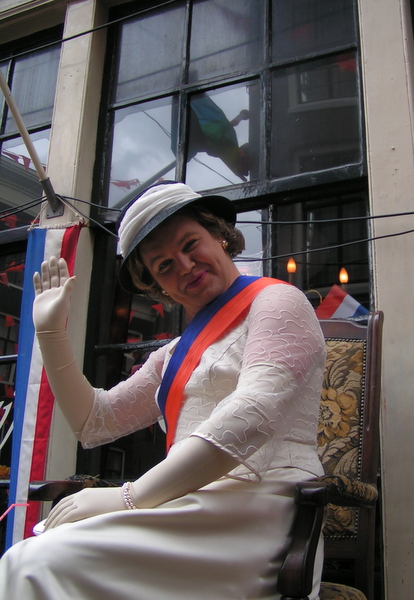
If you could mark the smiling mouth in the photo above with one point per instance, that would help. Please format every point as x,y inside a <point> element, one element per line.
<point>194,283</point>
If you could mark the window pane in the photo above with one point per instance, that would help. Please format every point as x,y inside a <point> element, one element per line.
<point>253,236</point>
<point>223,137</point>
<point>150,53</point>
<point>19,182</point>
<point>316,237</point>
<point>316,114</point>
<point>11,285</point>
<point>305,26</point>
<point>3,68</point>
<point>323,266</point>
<point>234,40</point>
<point>136,319</point>
<point>33,87</point>
<point>142,149</point>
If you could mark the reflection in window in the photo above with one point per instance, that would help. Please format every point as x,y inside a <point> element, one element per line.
<point>136,320</point>
<point>33,85</point>
<point>250,224</point>
<point>11,285</point>
<point>149,320</point>
<point>323,267</point>
<point>321,244</point>
<point>142,150</point>
<point>302,27</point>
<point>32,78</point>
<point>150,53</point>
<point>327,81</point>
<point>19,183</point>
<point>317,110</point>
<point>234,40</point>
<point>223,137</point>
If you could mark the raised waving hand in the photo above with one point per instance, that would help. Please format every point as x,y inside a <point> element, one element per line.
<point>53,288</point>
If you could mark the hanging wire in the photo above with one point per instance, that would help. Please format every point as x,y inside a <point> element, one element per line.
<point>66,200</point>
<point>21,208</point>
<point>332,247</point>
<point>92,30</point>
<point>79,213</point>
<point>109,208</point>
<point>318,221</point>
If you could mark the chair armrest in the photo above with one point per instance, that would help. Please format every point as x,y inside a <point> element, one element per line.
<point>296,575</point>
<point>53,490</point>
<point>56,490</point>
<point>344,491</point>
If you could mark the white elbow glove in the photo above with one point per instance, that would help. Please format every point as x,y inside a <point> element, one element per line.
<point>195,464</point>
<point>50,313</point>
<point>192,466</point>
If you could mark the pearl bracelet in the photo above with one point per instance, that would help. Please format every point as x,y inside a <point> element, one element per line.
<point>127,496</point>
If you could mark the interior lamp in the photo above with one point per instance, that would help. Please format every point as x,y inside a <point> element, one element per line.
<point>291,268</point>
<point>343,276</point>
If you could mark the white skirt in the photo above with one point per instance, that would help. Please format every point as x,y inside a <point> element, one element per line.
<point>225,541</point>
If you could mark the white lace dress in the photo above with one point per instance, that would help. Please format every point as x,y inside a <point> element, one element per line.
<point>256,395</point>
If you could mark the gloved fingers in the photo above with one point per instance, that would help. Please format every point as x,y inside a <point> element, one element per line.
<point>86,503</point>
<point>63,271</point>
<point>37,283</point>
<point>58,514</point>
<point>45,275</point>
<point>53,274</point>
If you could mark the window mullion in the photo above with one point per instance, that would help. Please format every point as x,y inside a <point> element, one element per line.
<point>183,100</point>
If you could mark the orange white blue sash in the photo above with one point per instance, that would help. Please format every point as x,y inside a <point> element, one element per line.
<point>209,324</point>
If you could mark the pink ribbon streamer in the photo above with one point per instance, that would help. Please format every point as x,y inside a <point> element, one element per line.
<point>10,508</point>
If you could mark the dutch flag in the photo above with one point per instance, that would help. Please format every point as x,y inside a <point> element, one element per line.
<point>338,304</point>
<point>34,400</point>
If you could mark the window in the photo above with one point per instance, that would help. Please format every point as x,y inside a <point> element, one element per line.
<point>323,234</point>
<point>222,146</point>
<point>31,76</point>
<point>234,41</point>
<point>31,73</point>
<point>224,93</point>
<point>316,107</point>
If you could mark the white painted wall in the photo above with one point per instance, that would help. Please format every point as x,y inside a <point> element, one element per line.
<point>387,59</point>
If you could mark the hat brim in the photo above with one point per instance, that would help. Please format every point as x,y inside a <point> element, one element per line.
<point>217,205</point>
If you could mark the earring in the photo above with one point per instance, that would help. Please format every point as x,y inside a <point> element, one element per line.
<point>165,293</point>
<point>224,244</point>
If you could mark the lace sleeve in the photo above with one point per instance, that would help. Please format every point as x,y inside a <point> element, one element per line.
<point>127,407</point>
<point>278,390</point>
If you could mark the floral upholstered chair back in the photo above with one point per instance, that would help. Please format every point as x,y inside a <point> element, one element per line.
<point>341,424</point>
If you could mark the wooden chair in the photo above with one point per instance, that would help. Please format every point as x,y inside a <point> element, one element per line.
<point>348,445</point>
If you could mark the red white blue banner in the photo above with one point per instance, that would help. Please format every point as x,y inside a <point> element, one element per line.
<point>33,399</point>
<point>338,304</point>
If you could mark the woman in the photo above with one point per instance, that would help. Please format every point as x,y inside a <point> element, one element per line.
<point>240,394</point>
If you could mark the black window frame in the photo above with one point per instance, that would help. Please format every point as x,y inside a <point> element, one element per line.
<point>241,193</point>
<point>12,51</point>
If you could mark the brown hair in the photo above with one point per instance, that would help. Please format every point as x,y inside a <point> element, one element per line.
<point>216,226</point>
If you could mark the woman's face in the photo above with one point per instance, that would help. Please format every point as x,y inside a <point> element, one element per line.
<point>187,262</point>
